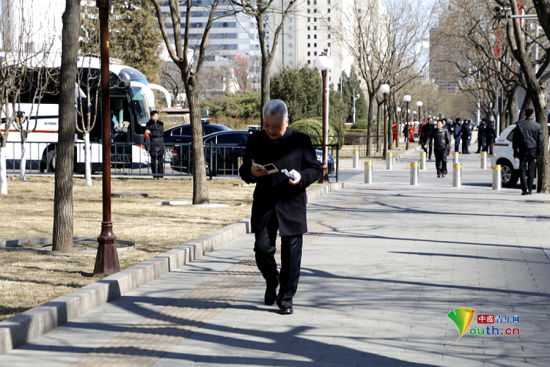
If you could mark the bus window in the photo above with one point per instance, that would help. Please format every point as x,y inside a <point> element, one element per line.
<point>140,106</point>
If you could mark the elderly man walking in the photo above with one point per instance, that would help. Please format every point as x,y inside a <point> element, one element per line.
<point>527,146</point>
<point>282,163</point>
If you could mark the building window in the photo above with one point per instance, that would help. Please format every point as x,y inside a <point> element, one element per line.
<point>308,36</point>
<point>314,19</point>
<point>315,36</point>
<point>308,19</point>
<point>308,44</point>
<point>315,44</point>
<point>328,44</point>
<point>315,53</point>
<point>309,53</point>
<point>308,28</point>
<point>314,28</point>
<point>309,61</point>
<point>328,36</point>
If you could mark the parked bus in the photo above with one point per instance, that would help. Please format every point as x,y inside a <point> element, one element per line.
<point>131,100</point>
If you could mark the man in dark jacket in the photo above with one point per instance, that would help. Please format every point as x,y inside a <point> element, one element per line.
<point>425,134</point>
<point>279,199</point>
<point>527,146</point>
<point>482,136</point>
<point>465,135</point>
<point>456,133</point>
<point>154,130</point>
<point>490,136</point>
<point>442,140</point>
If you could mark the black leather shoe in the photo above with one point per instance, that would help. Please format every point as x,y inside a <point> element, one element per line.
<point>270,296</point>
<point>286,310</point>
<point>524,193</point>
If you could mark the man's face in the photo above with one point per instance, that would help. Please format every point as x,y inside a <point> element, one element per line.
<point>275,126</point>
<point>440,124</point>
<point>155,117</point>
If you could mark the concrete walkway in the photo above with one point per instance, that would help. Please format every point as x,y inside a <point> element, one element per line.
<point>383,265</point>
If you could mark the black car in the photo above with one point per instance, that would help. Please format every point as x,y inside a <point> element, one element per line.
<point>222,152</point>
<point>182,133</point>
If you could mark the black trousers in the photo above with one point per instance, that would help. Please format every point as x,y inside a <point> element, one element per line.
<point>457,144</point>
<point>465,145</point>
<point>157,165</point>
<point>441,161</point>
<point>527,167</point>
<point>291,258</point>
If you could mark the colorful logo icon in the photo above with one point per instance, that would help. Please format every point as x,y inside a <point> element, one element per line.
<point>462,317</point>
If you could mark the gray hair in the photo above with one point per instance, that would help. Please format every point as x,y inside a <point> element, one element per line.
<point>276,107</point>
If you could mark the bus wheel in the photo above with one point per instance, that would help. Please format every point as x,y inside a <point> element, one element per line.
<point>50,161</point>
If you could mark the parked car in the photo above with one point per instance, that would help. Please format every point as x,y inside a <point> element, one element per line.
<point>503,154</point>
<point>182,133</point>
<point>222,150</point>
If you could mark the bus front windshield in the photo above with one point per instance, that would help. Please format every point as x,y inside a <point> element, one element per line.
<point>140,106</point>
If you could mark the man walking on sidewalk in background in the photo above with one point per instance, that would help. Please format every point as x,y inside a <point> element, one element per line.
<point>456,133</point>
<point>425,135</point>
<point>527,146</point>
<point>442,141</point>
<point>465,135</point>
<point>279,199</point>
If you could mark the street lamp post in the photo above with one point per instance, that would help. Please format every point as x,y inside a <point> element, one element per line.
<point>385,90</point>
<point>324,64</point>
<point>107,258</point>
<point>407,100</point>
<point>355,98</point>
<point>397,122</point>
<point>419,104</point>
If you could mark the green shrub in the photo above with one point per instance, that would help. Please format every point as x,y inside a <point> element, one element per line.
<point>361,124</point>
<point>314,128</point>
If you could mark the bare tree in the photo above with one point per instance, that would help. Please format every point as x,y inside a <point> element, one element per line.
<point>386,49</point>
<point>170,78</point>
<point>63,199</point>
<point>517,38</point>
<point>87,104</point>
<point>178,50</point>
<point>261,10</point>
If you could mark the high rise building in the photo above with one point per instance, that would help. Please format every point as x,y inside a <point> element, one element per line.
<point>232,60</point>
<point>442,71</point>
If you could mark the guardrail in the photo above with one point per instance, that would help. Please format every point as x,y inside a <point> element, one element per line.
<point>132,159</point>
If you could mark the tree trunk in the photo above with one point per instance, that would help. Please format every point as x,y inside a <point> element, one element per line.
<point>63,199</point>
<point>23,164</point>
<point>389,135</point>
<point>266,85</point>
<point>3,172</point>
<point>377,128</point>
<point>87,159</point>
<point>369,122</point>
<point>200,188</point>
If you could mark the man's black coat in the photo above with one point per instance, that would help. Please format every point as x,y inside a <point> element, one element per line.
<point>273,193</point>
<point>156,137</point>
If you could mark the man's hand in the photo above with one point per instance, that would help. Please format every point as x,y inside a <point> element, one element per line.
<point>296,179</point>
<point>257,170</point>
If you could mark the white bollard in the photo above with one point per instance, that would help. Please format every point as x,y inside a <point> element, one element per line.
<point>368,172</point>
<point>455,157</point>
<point>414,173</point>
<point>457,175</point>
<point>389,161</point>
<point>483,160</point>
<point>239,162</point>
<point>497,177</point>
<point>355,159</point>
<point>423,161</point>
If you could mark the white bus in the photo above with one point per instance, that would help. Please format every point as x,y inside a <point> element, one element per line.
<point>131,100</point>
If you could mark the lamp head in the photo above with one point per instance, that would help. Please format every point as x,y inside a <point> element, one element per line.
<point>323,62</point>
<point>398,109</point>
<point>385,89</point>
<point>419,104</point>
<point>406,98</point>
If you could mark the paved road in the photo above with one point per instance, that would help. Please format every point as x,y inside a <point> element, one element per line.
<point>383,265</point>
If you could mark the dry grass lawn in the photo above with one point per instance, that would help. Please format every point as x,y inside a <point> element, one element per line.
<point>28,279</point>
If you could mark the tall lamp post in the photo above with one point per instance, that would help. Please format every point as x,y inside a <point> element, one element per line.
<point>419,104</point>
<point>385,90</point>
<point>355,98</point>
<point>407,100</point>
<point>324,64</point>
<point>397,122</point>
<point>107,258</point>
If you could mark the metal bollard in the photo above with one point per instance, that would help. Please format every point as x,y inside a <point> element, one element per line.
<point>455,157</point>
<point>414,173</point>
<point>497,178</point>
<point>355,159</point>
<point>483,160</point>
<point>457,175</point>
<point>368,172</point>
<point>239,162</point>
<point>423,161</point>
<point>389,161</point>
